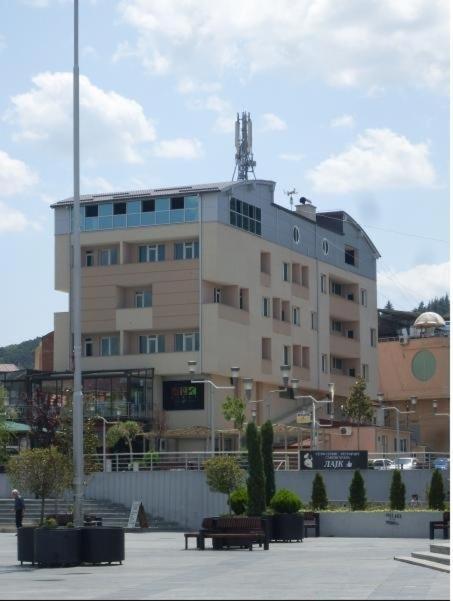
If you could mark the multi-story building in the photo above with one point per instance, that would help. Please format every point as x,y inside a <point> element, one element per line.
<point>222,275</point>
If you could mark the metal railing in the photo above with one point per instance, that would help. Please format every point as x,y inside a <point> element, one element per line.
<point>195,461</point>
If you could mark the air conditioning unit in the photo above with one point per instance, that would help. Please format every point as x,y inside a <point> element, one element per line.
<point>345,430</point>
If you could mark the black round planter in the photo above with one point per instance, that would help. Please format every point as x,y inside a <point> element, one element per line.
<point>58,546</point>
<point>288,527</point>
<point>102,545</point>
<point>25,544</point>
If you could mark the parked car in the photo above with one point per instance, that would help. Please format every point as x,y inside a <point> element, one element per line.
<point>382,464</point>
<point>441,463</point>
<point>407,463</point>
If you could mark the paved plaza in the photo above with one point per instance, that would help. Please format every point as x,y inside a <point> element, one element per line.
<point>157,567</point>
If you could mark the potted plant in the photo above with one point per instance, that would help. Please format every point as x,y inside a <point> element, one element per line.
<point>287,522</point>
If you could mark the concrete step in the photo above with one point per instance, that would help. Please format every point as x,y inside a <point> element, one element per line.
<point>440,548</point>
<point>433,565</point>
<point>428,556</point>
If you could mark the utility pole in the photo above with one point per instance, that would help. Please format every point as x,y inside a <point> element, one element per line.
<point>77,414</point>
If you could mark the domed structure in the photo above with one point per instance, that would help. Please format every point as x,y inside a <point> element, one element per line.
<point>429,320</point>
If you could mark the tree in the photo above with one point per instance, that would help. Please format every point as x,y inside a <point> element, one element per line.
<point>127,431</point>
<point>43,472</point>
<point>256,487</point>
<point>389,305</point>
<point>358,406</point>
<point>357,494</point>
<point>267,449</point>
<point>224,475</point>
<point>63,439</point>
<point>5,435</point>
<point>318,494</point>
<point>397,492</point>
<point>436,494</point>
<point>233,409</point>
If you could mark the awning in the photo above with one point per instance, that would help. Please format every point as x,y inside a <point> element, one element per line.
<point>16,427</point>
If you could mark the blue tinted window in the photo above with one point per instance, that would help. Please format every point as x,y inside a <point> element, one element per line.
<point>106,223</point>
<point>91,223</point>
<point>106,209</point>
<point>177,216</point>
<point>163,217</point>
<point>162,204</point>
<point>133,220</point>
<point>190,202</point>
<point>191,214</point>
<point>148,218</point>
<point>133,207</point>
<point>119,221</point>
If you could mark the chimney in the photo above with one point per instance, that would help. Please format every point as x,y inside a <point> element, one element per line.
<point>306,208</point>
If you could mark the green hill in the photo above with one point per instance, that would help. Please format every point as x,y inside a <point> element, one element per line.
<point>21,354</point>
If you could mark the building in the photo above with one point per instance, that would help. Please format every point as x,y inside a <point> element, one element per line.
<point>418,367</point>
<point>44,353</point>
<point>222,275</point>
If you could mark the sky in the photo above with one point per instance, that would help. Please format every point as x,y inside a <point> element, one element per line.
<point>349,102</point>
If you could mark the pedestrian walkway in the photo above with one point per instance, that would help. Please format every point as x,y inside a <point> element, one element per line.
<point>157,567</point>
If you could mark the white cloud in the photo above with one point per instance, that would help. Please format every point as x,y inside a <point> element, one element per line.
<point>224,122</point>
<point>341,42</point>
<point>408,288</point>
<point>15,175</point>
<point>13,221</point>
<point>272,122</point>
<point>180,148</point>
<point>112,126</point>
<point>47,199</point>
<point>379,158</point>
<point>291,156</point>
<point>153,61</point>
<point>95,185</point>
<point>343,121</point>
<point>190,86</point>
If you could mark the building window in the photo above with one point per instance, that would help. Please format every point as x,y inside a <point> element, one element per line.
<point>245,216</point>
<point>143,298</point>
<point>148,206</point>
<point>91,211</point>
<point>324,364</point>
<point>217,295</point>
<point>350,257</point>
<point>304,276</point>
<point>325,246</point>
<point>336,288</point>
<point>296,316</point>
<point>186,250</point>
<point>323,283</point>
<point>297,355</point>
<point>109,346</point>
<point>151,344</point>
<point>243,299</point>
<point>276,308</point>
<point>265,263</point>
<point>108,256</point>
<point>306,357</point>
<point>337,363</point>
<point>151,253</point>
<point>296,234</point>
<point>314,320</point>
<point>266,306</point>
<point>177,202</point>
<point>286,311</point>
<point>119,208</point>
<point>285,272</point>
<point>266,347</point>
<point>286,355</point>
<point>88,347</point>
<point>89,258</point>
<point>187,342</point>
<point>364,297</point>
<point>365,372</point>
<point>373,337</point>
<point>336,326</point>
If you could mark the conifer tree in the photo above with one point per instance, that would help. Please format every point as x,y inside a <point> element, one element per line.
<point>267,448</point>
<point>436,495</point>
<point>318,495</point>
<point>256,488</point>
<point>358,406</point>
<point>397,492</point>
<point>357,494</point>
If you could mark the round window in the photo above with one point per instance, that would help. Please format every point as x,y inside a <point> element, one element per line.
<point>296,234</point>
<point>424,365</point>
<point>325,246</point>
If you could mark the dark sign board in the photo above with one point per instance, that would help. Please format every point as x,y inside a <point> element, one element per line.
<point>182,395</point>
<point>333,460</point>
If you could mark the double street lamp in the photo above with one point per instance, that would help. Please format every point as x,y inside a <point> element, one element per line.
<point>413,401</point>
<point>315,424</point>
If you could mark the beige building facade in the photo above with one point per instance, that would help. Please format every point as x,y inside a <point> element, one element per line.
<point>221,275</point>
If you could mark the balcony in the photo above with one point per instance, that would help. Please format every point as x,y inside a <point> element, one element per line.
<point>342,346</point>
<point>344,309</point>
<point>281,327</point>
<point>227,312</point>
<point>134,319</point>
<point>300,291</point>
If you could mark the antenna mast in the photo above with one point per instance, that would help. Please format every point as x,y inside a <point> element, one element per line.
<point>243,141</point>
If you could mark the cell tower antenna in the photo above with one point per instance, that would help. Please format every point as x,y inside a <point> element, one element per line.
<point>290,194</point>
<point>244,152</point>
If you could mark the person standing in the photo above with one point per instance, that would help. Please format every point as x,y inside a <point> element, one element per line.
<point>19,507</point>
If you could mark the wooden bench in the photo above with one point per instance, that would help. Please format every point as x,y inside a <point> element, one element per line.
<point>440,525</point>
<point>311,520</point>
<point>230,532</point>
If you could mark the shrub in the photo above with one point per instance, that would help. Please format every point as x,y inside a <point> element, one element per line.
<point>224,474</point>
<point>397,492</point>
<point>256,488</point>
<point>318,495</point>
<point>285,501</point>
<point>357,494</point>
<point>50,523</point>
<point>238,501</point>
<point>267,448</point>
<point>436,494</point>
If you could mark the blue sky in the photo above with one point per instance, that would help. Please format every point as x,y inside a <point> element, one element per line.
<point>349,102</point>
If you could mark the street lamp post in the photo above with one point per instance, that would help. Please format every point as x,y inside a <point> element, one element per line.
<point>104,438</point>
<point>413,401</point>
<point>248,387</point>
<point>234,375</point>
<point>436,412</point>
<point>314,423</point>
